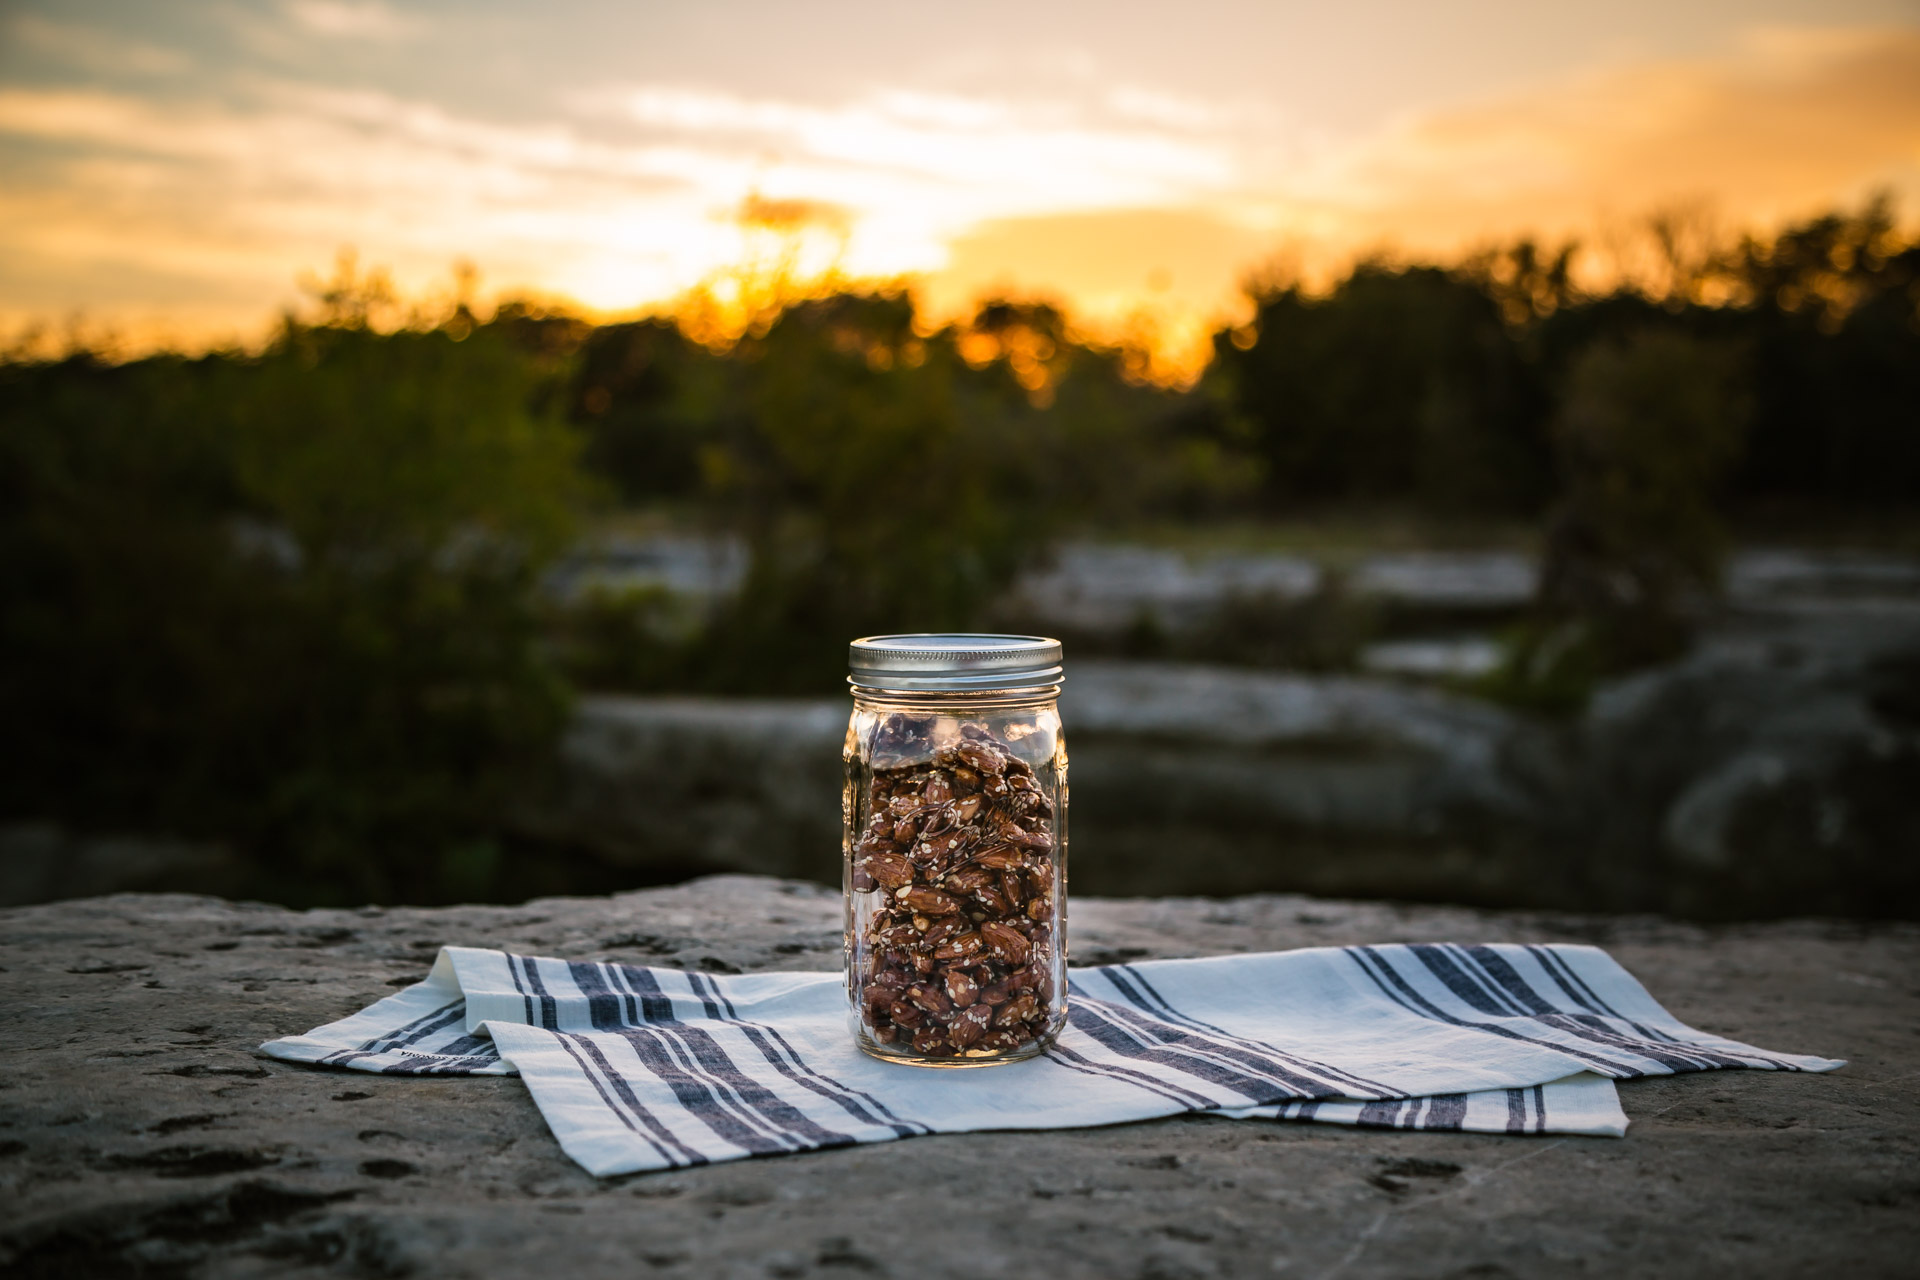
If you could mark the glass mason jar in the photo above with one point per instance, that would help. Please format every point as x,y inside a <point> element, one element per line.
<point>955,845</point>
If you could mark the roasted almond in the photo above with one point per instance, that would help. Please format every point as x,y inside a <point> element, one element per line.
<point>1017,1010</point>
<point>961,988</point>
<point>961,946</point>
<point>930,902</point>
<point>1007,943</point>
<point>969,1026</point>
<point>890,869</point>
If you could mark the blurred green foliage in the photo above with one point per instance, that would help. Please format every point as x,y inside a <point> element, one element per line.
<point>881,478</point>
<point>1398,384</point>
<point>297,600</point>
<point>285,601</point>
<point>1648,428</point>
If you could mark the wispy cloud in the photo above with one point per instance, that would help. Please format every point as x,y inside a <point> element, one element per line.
<point>619,194</point>
<point>995,155</point>
<point>77,45</point>
<point>353,19</point>
<point>1790,120</point>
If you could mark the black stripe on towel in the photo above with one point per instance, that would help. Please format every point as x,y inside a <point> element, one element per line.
<point>702,1095</point>
<point>1590,1027</point>
<point>782,1057</point>
<point>1073,1061</point>
<point>1130,1034</point>
<point>1258,1066</point>
<point>1403,994</point>
<point>1343,1083</point>
<point>1447,1111</point>
<point>629,1108</point>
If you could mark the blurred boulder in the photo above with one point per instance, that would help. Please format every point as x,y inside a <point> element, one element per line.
<point>682,786</point>
<point>44,862</point>
<point>1769,773</point>
<point>1192,779</point>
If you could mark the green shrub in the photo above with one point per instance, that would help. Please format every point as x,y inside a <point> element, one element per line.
<point>285,602</point>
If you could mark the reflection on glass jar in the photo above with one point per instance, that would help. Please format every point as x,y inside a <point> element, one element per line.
<point>956,848</point>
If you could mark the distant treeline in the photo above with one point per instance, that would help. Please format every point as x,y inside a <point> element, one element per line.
<point>290,600</point>
<point>1443,386</point>
<point>1434,386</point>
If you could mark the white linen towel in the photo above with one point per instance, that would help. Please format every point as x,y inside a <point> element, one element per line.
<point>639,1068</point>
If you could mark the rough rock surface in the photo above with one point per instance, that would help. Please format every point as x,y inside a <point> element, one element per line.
<point>1766,774</point>
<point>141,1136</point>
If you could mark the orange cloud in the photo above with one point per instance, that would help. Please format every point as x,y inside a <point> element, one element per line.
<point>1790,123</point>
<point>1132,207</point>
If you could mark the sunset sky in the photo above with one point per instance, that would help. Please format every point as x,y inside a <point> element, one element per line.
<point>170,167</point>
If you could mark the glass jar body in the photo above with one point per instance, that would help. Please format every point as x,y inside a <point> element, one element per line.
<point>955,846</point>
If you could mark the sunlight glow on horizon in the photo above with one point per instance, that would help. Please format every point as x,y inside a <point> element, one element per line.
<point>186,216</point>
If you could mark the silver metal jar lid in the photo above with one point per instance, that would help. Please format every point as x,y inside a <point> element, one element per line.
<point>956,662</point>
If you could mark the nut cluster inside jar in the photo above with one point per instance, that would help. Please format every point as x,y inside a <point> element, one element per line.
<point>956,959</point>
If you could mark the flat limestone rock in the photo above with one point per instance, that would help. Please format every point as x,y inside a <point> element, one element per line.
<point>140,1135</point>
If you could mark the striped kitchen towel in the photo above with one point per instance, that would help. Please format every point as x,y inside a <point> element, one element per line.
<point>639,1068</point>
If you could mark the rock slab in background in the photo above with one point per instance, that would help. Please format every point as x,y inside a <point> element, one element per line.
<point>141,1136</point>
<point>1767,774</point>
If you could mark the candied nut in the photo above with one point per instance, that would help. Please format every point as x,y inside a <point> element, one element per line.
<point>969,1026</point>
<point>942,930</point>
<point>960,947</point>
<point>983,757</point>
<point>1023,1008</point>
<point>1006,943</point>
<point>930,902</point>
<point>1027,804</point>
<point>993,902</point>
<point>957,956</point>
<point>968,879</point>
<point>961,988</point>
<point>1015,834</point>
<point>890,869</point>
